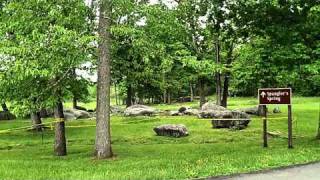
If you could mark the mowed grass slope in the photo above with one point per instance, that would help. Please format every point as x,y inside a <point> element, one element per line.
<point>139,154</point>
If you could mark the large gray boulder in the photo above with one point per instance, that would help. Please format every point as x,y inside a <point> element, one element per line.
<point>171,130</point>
<point>213,111</point>
<point>257,110</point>
<point>175,113</point>
<point>241,121</point>
<point>139,110</point>
<point>6,115</point>
<point>209,106</point>
<point>276,110</point>
<point>69,116</point>
<point>116,110</point>
<point>185,111</point>
<point>191,112</point>
<point>78,114</point>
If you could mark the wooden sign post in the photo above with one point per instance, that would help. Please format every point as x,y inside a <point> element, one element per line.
<point>276,96</point>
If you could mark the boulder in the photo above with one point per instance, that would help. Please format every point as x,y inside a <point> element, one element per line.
<point>175,113</point>
<point>139,110</point>
<point>171,130</point>
<point>191,112</point>
<point>211,110</point>
<point>224,114</point>
<point>239,114</point>
<point>182,109</point>
<point>116,110</point>
<point>215,114</point>
<point>211,106</point>
<point>251,110</point>
<point>6,115</point>
<point>165,113</point>
<point>69,116</point>
<point>79,114</point>
<point>276,110</point>
<point>258,111</point>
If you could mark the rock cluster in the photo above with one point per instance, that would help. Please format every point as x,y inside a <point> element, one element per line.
<point>72,114</point>
<point>235,119</point>
<point>185,111</point>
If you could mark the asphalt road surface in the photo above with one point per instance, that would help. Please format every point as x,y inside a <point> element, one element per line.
<point>303,172</point>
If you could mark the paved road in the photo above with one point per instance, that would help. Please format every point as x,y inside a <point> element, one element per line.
<point>303,172</point>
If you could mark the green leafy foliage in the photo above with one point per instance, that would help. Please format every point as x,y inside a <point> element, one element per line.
<point>44,41</point>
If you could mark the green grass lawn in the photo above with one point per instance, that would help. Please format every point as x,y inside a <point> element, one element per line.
<point>139,154</point>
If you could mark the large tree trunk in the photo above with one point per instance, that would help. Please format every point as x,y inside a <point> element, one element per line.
<point>202,93</point>
<point>103,137</point>
<point>60,146</point>
<point>169,97</point>
<point>224,101</point>
<point>140,98</point>
<point>218,75</point>
<point>36,121</point>
<point>4,107</point>
<point>74,103</point>
<point>129,96</point>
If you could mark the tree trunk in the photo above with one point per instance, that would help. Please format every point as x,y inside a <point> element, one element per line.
<point>60,146</point>
<point>318,135</point>
<point>44,113</point>
<point>191,92</point>
<point>103,138</point>
<point>116,94</point>
<point>218,75</point>
<point>202,93</point>
<point>36,121</point>
<point>74,98</point>
<point>169,97</point>
<point>140,99</point>
<point>129,96</point>
<point>165,96</point>
<point>74,102</point>
<point>4,107</point>
<point>224,101</point>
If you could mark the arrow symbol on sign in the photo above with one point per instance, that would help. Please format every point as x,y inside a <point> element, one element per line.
<point>263,94</point>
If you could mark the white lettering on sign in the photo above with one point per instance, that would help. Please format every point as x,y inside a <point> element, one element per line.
<point>274,99</point>
<point>279,93</point>
<point>274,96</point>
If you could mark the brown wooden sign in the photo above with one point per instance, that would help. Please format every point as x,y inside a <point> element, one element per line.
<point>274,96</point>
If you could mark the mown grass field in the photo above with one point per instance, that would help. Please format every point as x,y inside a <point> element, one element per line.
<point>140,154</point>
